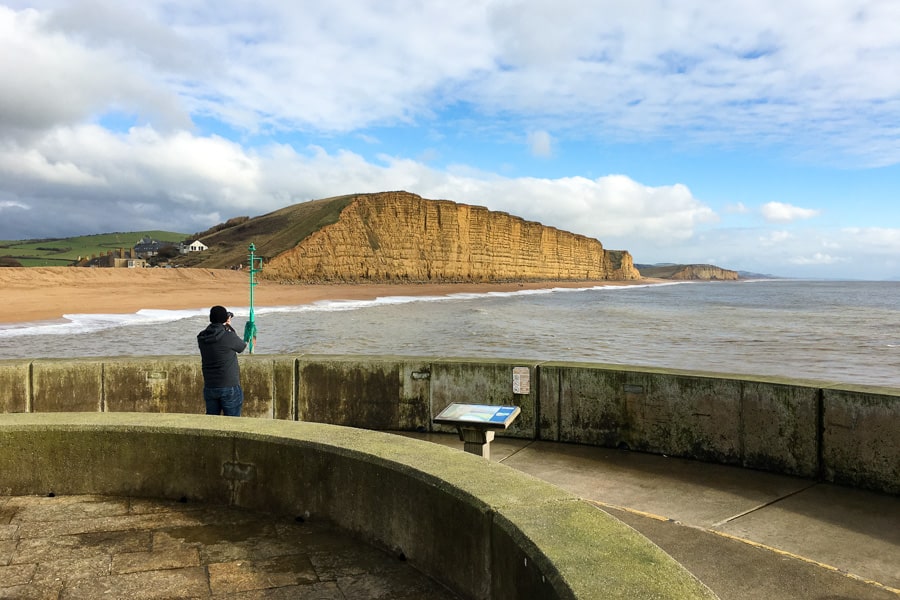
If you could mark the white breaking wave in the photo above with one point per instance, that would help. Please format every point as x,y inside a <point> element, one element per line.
<point>829,331</point>
<point>81,323</point>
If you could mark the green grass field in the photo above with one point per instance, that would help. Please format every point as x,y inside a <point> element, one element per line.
<point>64,252</point>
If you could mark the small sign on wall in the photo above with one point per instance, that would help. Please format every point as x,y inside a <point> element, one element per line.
<point>521,380</point>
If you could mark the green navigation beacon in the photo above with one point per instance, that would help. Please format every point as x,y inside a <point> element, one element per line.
<point>250,326</point>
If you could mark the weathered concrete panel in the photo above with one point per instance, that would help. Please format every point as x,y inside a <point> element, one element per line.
<point>67,386</point>
<point>779,428</point>
<point>128,463</point>
<point>352,391</point>
<point>652,411</point>
<point>258,384</point>
<point>693,416</point>
<point>14,386</point>
<point>547,403</point>
<point>381,503</point>
<point>285,389</point>
<point>592,406</point>
<point>860,441</point>
<point>479,382</point>
<point>415,395</point>
<point>413,513</point>
<point>158,384</point>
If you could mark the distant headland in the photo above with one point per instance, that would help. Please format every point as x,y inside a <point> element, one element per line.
<point>688,272</point>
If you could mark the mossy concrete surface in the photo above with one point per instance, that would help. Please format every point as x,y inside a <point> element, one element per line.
<point>67,385</point>
<point>817,430</point>
<point>860,440</point>
<point>379,392</point>
<point>482,529</point>
<point>15,378</point>
<point>759,424</point>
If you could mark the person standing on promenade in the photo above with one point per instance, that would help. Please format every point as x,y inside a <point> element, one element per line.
<point>219,346</point>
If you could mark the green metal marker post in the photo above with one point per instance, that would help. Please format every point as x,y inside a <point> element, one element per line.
<point>250,326</point>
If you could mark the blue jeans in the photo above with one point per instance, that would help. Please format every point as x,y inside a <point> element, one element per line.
<point>227,401</point>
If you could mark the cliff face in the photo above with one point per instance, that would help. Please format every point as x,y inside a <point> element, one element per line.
<point>705,273</point>
<point>689,272</point>
<point>398,236</point>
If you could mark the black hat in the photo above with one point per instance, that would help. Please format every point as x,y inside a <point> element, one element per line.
<point>218,314</point>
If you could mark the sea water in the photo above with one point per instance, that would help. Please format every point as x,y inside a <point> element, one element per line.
<point>833,331</point>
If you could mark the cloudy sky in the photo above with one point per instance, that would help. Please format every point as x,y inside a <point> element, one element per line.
<point>761,136</point>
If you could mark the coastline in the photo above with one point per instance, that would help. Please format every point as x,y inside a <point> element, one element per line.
<point>48,293</point>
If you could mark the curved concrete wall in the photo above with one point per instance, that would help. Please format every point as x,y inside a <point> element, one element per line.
<point>832,432</point>
<point>482,529</point>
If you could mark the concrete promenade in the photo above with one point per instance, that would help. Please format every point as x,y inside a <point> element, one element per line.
<point>746,534</point>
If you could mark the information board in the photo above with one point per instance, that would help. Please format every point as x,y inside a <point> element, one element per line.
<point>478,414</point>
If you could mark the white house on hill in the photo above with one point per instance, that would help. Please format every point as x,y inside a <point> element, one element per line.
<point>196,246</point>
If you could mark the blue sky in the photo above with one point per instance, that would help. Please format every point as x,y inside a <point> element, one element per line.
<point>761,136</point>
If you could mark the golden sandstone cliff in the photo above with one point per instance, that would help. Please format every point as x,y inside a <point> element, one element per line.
<point>689,272</point>
<point>705,273</point>
<point>401,237</point>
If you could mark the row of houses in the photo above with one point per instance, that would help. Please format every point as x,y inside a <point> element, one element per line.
<point>140,253</point>
<point>147,247</point>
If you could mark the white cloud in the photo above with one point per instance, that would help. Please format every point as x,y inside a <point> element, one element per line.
<point>144,179</point>
<point>541,144</point>
<point>799,73</point>
<point>30,164</point>
<point>774,238</point>
<point>177,115</point>
<point>764,71</point>
<point>8,204</point>
<point>818,258</point>
<point>51,79</point>
<point>779,212</point>
<point>190,179</point>
<point>874,241</point>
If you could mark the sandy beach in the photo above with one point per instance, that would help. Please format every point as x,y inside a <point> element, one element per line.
<point>45,293</point>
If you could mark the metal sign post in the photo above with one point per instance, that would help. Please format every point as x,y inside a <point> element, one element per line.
<point>250,326</point>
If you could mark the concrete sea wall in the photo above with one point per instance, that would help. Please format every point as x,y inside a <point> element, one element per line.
<point>836,433</point>
<point>483,529</point>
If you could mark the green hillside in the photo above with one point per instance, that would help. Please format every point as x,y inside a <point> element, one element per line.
<point>65,251</point>
<point>272,233</point>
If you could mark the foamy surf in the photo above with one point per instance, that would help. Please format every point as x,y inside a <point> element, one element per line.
<point>85,323</point>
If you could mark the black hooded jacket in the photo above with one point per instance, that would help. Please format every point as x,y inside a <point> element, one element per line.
<point>218,353</point>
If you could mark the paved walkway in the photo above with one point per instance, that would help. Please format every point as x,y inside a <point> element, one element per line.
<point>89,547</point>
<point>747,534</point>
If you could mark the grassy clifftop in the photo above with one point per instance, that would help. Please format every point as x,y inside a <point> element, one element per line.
<point>272,233</point>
